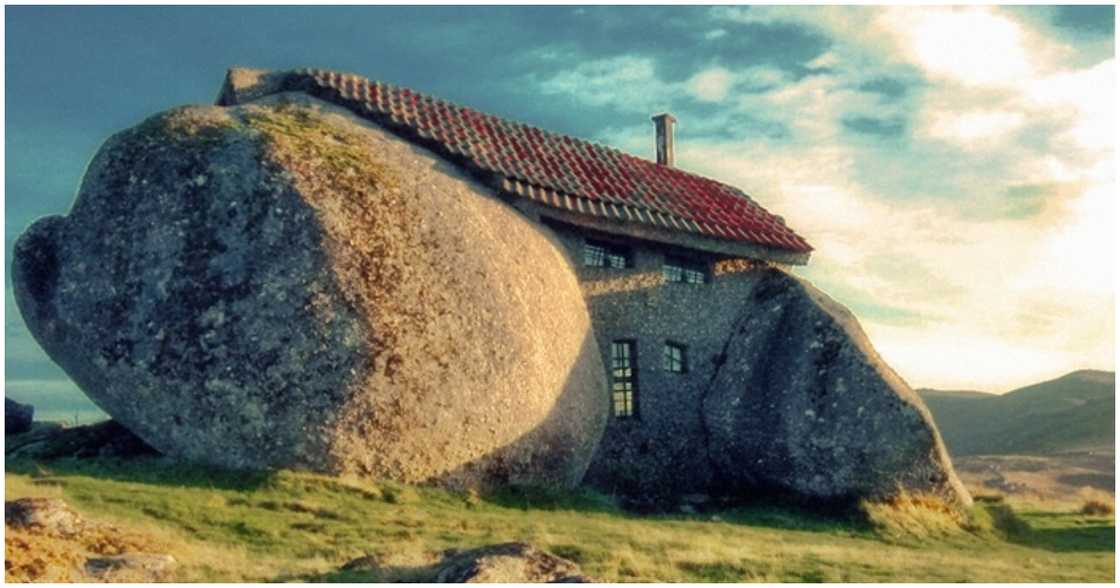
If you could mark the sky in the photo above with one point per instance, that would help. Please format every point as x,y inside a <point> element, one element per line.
<point>953,167</point>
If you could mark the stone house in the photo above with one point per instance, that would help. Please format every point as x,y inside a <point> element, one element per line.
<point>662,255</point>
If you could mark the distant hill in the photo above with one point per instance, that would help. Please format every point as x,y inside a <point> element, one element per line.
<point>1071,413</point>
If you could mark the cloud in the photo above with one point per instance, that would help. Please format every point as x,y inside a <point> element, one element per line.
<point>953,170</point>
<point>710,85</point>
<point>623,82</point>
<point>1087,94</point>
<point>973,126</point>
<point>971,46</point>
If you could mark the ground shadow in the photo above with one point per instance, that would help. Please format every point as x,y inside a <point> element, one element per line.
<point>153,470</point>
<point>1084,538</point>
<point>1076,533</point>
<point>370,575</point>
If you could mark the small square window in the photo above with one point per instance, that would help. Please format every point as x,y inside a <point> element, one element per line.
<point>675,358</point>
<point>599,254</point>
<point>684,271</point>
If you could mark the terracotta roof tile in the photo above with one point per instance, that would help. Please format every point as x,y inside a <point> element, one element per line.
<point>564,172</point>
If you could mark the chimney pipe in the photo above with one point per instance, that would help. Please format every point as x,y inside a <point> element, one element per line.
<point>664,124</point>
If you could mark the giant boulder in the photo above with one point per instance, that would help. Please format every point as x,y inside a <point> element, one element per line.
<point>803,402</point>
<point>281,284</point>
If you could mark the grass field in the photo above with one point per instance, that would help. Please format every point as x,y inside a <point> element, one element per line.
<point>233,526</point>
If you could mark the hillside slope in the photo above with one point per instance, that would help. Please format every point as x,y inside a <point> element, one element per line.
<point>1072,413</point>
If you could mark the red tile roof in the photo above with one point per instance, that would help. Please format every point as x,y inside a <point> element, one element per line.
<point>560,171</point>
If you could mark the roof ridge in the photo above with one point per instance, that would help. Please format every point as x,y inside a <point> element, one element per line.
<point>597,176</point>
<point>591,142</point>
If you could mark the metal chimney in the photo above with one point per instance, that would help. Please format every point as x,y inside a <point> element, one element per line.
<point>664,124</point>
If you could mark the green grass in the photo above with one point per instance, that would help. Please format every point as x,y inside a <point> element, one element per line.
<point>245,526</point>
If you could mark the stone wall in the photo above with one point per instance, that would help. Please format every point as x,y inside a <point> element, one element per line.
<point>662,452</point>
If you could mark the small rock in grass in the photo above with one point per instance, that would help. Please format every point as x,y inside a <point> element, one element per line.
<point>507,562</point>
<point>146,563</point>
<point>48,514</point>
<point>364,563</point>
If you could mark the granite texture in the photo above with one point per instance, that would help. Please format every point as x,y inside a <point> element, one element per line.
<point>802,402</point>
<point>282,284</point>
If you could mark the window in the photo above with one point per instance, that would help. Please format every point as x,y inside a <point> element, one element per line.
<point>624,388</point>
<point>675,358</point>
<point>599,254</point>
<point>684,271</point>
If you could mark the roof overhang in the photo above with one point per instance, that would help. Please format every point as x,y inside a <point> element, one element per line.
<point>723,247</point>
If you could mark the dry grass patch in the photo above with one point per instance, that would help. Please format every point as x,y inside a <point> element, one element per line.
<point>1097,508</point>
<point>38,555</point>
<point>915,517</point>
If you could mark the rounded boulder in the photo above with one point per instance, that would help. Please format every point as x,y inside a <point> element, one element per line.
<point>282,284</point>
<point>802,402</point>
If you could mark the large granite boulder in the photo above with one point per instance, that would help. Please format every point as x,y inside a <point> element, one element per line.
<point>803,402</point>
<point>284,284</point>
<point>17,417</point>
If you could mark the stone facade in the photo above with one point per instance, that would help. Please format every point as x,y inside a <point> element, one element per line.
<point>662,451</point>
<point>781,390</point>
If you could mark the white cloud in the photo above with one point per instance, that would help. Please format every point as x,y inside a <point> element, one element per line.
<point>954,290</point>
<point>710,85</point>
<point>824,60</point>
<point>631,83</point>
<point>972,126</point>
<point>1089,94</point>
<point>624,82</point>
<point>972,46</point>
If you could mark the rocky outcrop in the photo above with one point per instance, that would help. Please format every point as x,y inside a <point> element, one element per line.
<point>46,515</point>
<point>802,402</point>
<point>46,541</point>
<point>507,563</point>
<point>17,417</point>
<point>281,284</point>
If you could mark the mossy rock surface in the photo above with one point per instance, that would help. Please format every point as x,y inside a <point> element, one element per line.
<point>281,284</point>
